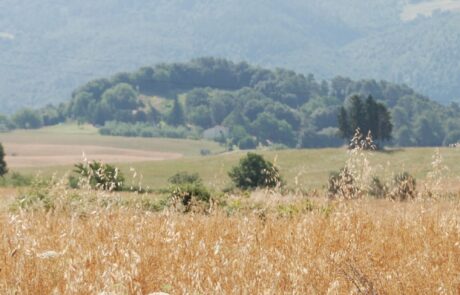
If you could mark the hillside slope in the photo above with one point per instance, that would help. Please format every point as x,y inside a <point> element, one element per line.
<point>49,47</point>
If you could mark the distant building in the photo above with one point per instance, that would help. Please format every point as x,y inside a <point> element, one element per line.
<point>216,132</point>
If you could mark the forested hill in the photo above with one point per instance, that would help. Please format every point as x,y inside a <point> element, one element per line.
<point>49,47</point>
<point>243,105</point>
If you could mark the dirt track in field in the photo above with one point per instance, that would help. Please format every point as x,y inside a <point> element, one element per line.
<point>42,155</point>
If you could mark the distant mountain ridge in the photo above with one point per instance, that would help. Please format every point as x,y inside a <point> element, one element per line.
<point>50,47</point>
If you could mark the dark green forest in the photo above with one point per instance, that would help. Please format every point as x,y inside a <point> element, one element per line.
<point>50,47</point>
<point>245,106</point>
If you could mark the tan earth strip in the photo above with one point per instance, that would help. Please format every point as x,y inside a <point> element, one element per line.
<point>42,155</point>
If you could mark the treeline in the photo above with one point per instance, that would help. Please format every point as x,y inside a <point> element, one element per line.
<point>251,106</point>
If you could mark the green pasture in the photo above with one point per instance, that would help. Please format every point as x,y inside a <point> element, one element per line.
<point>306,169</point>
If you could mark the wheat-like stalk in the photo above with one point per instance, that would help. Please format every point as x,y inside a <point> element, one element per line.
<point>366,247</point>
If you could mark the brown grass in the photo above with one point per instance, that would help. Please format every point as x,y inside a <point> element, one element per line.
<point>359,247</point>
<point>7,195</point>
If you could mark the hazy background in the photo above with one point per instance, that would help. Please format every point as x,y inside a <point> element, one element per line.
<point>49,47</point>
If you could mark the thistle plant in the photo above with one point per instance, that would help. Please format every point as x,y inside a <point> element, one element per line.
<point>354,180</point>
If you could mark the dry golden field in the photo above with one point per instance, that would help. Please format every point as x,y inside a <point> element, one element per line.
<point>340,247</point>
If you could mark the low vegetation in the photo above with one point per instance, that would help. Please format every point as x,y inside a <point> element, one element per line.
<point>100,175</point>
<point>187,193</point>
<point>15,180</point>
<point>363,247</point>
<point>368,234</point>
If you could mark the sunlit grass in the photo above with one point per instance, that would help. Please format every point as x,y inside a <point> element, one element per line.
<point>64,241</point>
<point>360,247</point>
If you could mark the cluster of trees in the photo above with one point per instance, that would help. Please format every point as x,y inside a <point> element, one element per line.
<point>356,37</point>
<point>256,105</point>
<point>368,116</point>
<point>32,119</point>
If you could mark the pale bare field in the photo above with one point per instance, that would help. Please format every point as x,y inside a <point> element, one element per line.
<point>44,155</point>
<point>355,247</point>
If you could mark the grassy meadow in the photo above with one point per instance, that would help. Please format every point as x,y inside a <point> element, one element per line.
<point>305,169</point>
<point>269,241</point>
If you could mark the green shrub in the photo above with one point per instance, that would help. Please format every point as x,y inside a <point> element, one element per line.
<point>74,181</point>
<point>100,176</point>
<point>247,143</point>
<point>153,205</point>
<point>15,179</point>
<point>38,196</point>
<point>184,177</point>
<point>254,171</point>
<point>188,190</point>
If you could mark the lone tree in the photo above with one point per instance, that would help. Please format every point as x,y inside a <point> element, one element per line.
<point>3,168</point>
<point>254,171</point>
<point>367,115</point>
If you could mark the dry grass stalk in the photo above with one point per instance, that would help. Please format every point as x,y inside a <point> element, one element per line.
<point>361,247</point>
<point>434,180</point>
<point>353,181</point>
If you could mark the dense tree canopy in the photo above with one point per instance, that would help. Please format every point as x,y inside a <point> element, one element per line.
<point>27,119</point>
<point>368,116</point>
<point>256,105</point>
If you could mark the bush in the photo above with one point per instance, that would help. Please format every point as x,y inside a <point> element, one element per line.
<point>404,187</point>
<point>184,177</point>
<point>342,185</point>
<point>188,190</point>
<point>247,143</point>
<point>100,175</point>
<point>73,181</point>
<point>15,180</point>
<point>205,152</point>
<point>37,196</point>
<point>254,171</point>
